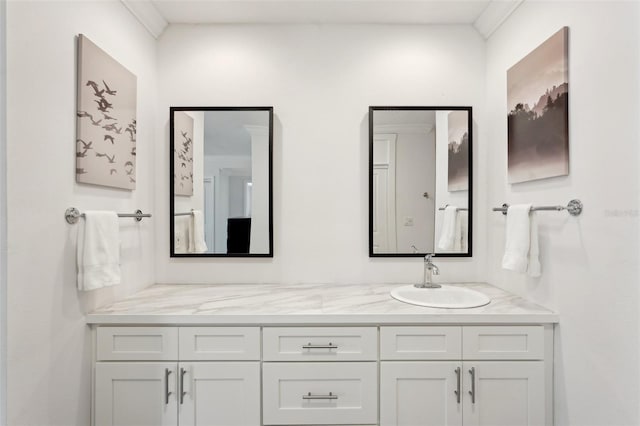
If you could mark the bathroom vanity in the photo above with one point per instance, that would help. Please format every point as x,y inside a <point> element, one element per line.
<point>319,355</point>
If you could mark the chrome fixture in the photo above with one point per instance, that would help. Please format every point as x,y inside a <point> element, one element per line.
<point>72,215</point>
<point>459,209</point>
<point>430,269</point>
<point>574,207</point>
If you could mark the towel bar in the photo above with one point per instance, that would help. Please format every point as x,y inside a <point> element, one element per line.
<point>574,207</point>
<point>72,215</point>
<point>459,209</point>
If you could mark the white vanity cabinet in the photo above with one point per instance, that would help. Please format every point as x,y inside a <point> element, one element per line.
<point>264,375</point>
<point>213,378</point>
<point>466,375</point>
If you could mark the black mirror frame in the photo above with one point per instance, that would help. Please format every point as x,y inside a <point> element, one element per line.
<point>172,253</point>
<point>469,110</point>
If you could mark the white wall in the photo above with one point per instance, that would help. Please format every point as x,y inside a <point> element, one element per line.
<point>49,350</point>
<point>321,79</point>
<point>590,263</point>
<point>3,213</point>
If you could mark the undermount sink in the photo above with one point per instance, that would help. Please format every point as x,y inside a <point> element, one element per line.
<point>444,297</point>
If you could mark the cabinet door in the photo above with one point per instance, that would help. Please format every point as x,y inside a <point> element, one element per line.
<point>219,394</point>
<point>504,393</point>
<point>135,394</point>
<point>421,393</point>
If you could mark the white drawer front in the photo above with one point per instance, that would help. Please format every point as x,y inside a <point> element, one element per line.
<point>503,342</point>
<point>320,393</point>
<point>421,343</point>
<point>219,343</point>
<point>137,343</point>
<point>320,344</point>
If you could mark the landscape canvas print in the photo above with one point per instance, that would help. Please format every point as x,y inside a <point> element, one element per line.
<point>458,167</point>
<point>538,119</point>
<point>106,119</point>
<point>182,154</point>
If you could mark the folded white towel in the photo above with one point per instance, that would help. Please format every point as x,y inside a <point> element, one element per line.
<point>521,247</point>
<point>462,232</point>
<point>196,233</point>
<point>98,250</point>
<point>448,230</point>
<point>534,269</point>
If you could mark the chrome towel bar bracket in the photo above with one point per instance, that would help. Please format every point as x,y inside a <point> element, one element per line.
<point>72,215</point>
<point>574,207</point>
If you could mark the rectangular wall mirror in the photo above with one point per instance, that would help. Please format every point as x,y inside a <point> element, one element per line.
<point>420,181</point>
<point>221,181</point>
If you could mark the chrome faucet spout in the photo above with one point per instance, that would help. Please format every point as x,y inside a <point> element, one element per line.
<point>430,269</point>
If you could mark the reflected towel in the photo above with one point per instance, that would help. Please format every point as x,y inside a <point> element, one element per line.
<point>196,233</point>
<point>462,232</point>
<point>98,250</point>
<point>448,230</point>
<point>521,247</point>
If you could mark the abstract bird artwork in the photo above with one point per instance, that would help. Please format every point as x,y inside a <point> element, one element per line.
<point>106,119</point>
<point>183,153</point>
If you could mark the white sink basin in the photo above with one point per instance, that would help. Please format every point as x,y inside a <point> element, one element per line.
<point>444,297</point>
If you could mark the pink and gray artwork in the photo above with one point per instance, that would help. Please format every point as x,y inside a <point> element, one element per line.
<point>538,119</point>
<point>106,119</point>
<point>182,154</point>
<point>458,164</point>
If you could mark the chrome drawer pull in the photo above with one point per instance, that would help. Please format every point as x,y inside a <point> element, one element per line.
<point>329,346</point>
<point>167,394</point>
<point>310,396</point>
<point>182,392</point>
<point>472,392</point>
<point>457,391</point>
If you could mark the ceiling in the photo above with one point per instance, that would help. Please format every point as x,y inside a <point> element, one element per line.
<point>485,15</point>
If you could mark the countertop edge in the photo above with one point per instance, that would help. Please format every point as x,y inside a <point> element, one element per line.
<point>320,319</point>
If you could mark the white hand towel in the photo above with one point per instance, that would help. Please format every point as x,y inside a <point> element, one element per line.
<point>98,250</point>
<point>196,233</point>
<point>516,252</point>
<point>448,230</point>
<point>462,231</point>
<point>534,269</point>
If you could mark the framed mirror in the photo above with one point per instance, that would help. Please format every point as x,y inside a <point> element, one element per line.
<point>221,191</point>
<point>420,181</point>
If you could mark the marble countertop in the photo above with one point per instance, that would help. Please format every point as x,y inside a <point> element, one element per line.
<point>303,304</point>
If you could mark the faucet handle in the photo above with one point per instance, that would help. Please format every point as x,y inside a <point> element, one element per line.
<point>428,257</point>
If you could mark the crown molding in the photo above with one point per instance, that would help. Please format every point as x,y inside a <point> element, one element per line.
<point>494,15</point>
<point>148,15</point>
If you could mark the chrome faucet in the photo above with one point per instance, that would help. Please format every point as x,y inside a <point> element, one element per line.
<point>430,269</point>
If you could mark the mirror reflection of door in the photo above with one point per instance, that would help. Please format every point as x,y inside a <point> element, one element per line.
<point>404,148</point>
<point>223,176</point>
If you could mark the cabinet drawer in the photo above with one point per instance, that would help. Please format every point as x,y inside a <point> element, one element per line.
<point>137,343</point>
<point>219,343</point>
<point>503,342</point>
<point>320,344</point>
<point>420,343</point>
<point>320,393</point>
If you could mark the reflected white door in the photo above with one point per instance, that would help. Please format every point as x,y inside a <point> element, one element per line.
<point>384,193</point>
<point>209,212</point>
<point>380,209</point>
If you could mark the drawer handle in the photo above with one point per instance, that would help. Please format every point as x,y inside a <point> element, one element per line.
<point>472,392</point>
<point>311,396</point>
<point>182,392</point>
<point>167,394</point>
<point>329,346</point>
<point>457,391</point>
